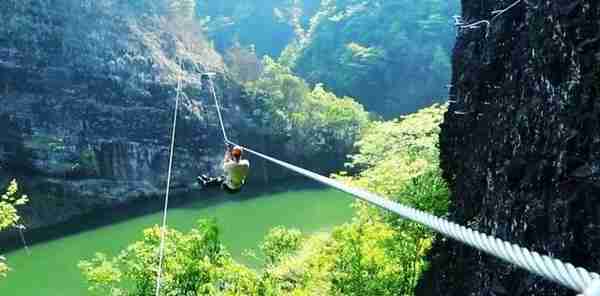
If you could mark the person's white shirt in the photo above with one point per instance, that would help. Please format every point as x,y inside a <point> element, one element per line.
<point>236,173</point>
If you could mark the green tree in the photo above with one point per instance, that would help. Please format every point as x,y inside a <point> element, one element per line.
<point>279,242</point>
<point>374,258</point>
<point>393,63</point>
<point>195,263</point>
<point>269,25</point>
<point>8,214</point>
<point>314,119</point>
<point>377,253</point>
<point>398,159</point>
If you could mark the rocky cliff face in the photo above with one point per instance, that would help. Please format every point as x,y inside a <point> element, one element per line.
<point>87,90</point>
<point>521,145</point>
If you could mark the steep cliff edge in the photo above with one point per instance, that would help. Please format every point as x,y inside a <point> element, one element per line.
<point>521,146</point>
<point>87,90</point>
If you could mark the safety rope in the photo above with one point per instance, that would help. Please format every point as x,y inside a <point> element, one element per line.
<point>212,90</point>
<point>164,218</point>
<point>495,14</point>
<point>575,278</point>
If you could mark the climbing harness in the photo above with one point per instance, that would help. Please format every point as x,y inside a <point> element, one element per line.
<point>565,274</point>
<point>163,229</point>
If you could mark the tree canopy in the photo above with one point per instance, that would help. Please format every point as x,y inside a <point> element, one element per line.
<point>311,118</point>
<point>393,55</point>
<point>268,25</point>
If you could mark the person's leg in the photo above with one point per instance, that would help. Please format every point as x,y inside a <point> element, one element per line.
<point>203,178</point>
<point>210,182</point>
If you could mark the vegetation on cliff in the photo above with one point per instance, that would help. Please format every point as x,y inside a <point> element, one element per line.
<point>392,63</point>
<point>268,25</point>
<point>131,43</point>
<point>375,254</point>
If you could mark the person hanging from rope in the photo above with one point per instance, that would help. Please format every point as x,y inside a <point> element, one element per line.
<point>235,172</point>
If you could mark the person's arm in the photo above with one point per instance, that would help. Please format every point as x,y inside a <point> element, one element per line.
<point>227,156</point>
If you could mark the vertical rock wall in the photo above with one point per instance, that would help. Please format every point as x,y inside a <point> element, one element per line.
<point>520,147</point>
<point>87,92</point>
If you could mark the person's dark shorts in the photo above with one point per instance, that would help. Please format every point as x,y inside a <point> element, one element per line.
<point>229,190</point>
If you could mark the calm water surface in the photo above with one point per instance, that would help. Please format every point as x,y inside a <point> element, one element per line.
<point>50,269</point>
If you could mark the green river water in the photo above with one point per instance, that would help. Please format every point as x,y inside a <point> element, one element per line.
<point>50,269</point>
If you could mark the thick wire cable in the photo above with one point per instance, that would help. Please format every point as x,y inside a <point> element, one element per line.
<point>495,14</point>
<point>163,230</point>
<point>575,278</point>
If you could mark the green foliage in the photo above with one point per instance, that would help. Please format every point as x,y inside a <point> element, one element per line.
<point>398,159</point>
<point>87,163</point>
<point>392,62</point>
<point>290,54</point>
<point>359,56</point>
<point>376,253</point>
<point>102,275</point>
<point>374,258</point>
<point>3,267</point>
<point>243,63</point>
<point>194,264</point>
<point>8,202</point>
<point>280,242</point>
<point>413,137</point>
<point>269,25</point>
<point>8,214</point>
<point>305,272</point>
<point>314,119</point>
